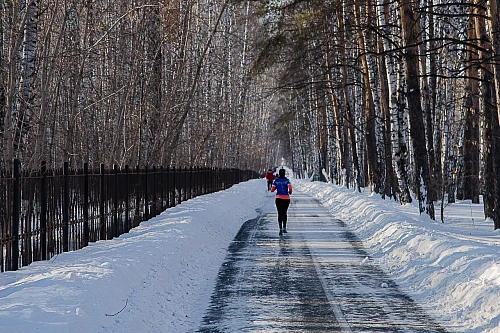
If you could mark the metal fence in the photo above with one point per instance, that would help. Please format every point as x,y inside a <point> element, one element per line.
<point>47,212</point>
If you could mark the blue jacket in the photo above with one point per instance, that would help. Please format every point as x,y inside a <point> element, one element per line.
<point>283,188</point>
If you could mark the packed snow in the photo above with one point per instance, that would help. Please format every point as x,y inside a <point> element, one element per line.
<point>160,276</point>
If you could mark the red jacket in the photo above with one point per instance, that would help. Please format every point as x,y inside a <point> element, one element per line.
<point>269,176</point>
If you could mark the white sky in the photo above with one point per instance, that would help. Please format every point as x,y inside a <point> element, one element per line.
<point>160,276</point>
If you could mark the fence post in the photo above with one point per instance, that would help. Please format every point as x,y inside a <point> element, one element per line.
<point>146,198</point>
<point>86,232</point>
<point>102,213</point>
<point>138,191</point>
<point>196,181</point>
<point>190,182</point>
<point>174,186</point>
<point>185,182</point>
<point>205,180</point>
<point>212,180</point>
<point>127,198</point>
<point>153,206</point>
<point>65,223</point>
<point>179,174</point>
<point>116,231</point>
<point>43,212</point>
<point>217,180</point>
<point>219,174</point>
<point>15,216</point>
<point>199,180</point>
<point>168,188</point>
<point>162,189</point>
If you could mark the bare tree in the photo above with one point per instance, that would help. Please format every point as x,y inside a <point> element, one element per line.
<point>410,30</point>
<point>470,179</point>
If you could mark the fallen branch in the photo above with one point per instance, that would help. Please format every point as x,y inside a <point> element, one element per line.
<point>111,315</point>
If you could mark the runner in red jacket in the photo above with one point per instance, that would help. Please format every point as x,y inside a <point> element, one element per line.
<point>269,178</point>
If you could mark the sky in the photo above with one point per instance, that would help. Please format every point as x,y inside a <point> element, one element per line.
<point>159,277</point>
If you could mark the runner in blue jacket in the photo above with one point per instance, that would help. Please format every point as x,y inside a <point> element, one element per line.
<point>284,188</point>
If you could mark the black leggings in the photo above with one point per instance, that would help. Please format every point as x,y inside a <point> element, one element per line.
<point>282,206</point>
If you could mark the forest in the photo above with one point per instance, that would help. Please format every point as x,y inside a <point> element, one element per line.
<point>399,97</point>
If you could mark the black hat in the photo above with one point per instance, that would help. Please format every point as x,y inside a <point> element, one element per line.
<point>282,173</point>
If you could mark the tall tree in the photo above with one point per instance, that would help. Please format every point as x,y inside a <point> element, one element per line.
<point>387,91</point>
<point>18,16</point>
<point>369,106</point>
<point>410,27</point>
<point>491,130</point>
<point>349,139</point>
<point>494,15</point>
<point>470,179</point>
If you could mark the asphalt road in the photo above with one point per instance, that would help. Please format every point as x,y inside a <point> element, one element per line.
<point>315,278</point>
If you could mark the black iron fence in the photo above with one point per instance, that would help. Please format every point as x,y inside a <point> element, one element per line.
<point>46,212</point>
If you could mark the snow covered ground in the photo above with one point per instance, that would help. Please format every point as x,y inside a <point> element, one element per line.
<point>159,277</point>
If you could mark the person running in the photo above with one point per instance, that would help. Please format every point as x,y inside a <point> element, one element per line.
<point>283,189</point>
<point>269,178</point>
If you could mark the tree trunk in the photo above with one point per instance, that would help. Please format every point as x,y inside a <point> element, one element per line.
<point>470,179</point>
<point>490,123</point>
<point>429,88</point>
<point>390,185</point>
<point>335,127</point>
<point>410,27</point>
<point>3,108</point>
<point>494,14</point>
<point>349,134</point>
<point>15,40</point>
<point>369,112</point>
